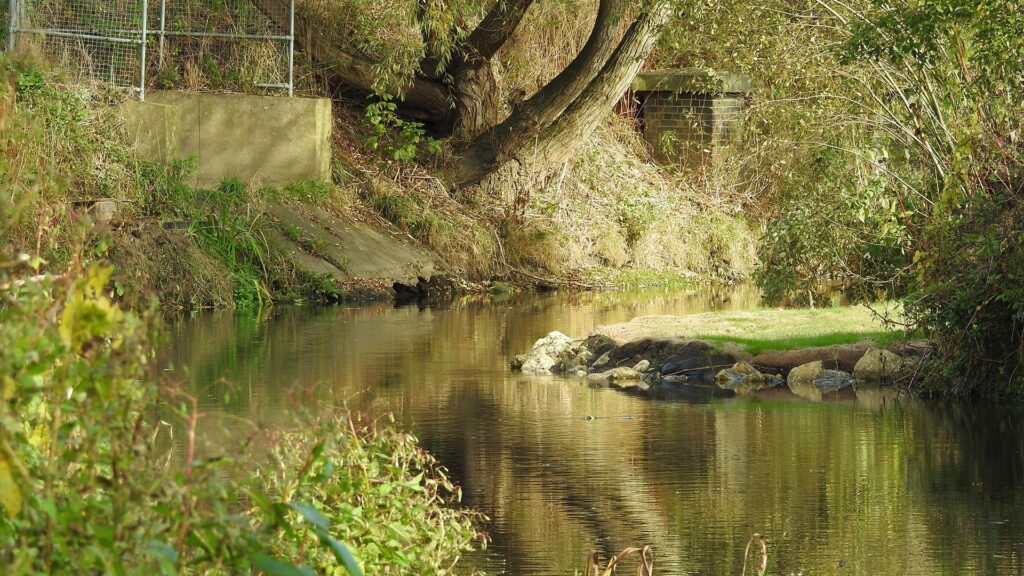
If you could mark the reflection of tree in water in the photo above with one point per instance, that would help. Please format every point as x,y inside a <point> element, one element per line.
<point>973,469</point>
<point>826,482</point>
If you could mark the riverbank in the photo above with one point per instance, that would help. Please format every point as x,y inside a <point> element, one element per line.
<point>378,230</point>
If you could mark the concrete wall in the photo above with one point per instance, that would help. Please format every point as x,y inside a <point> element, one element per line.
<point>690,117</point>
<point>272,140</point>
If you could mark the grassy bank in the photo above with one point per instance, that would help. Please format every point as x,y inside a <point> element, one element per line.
<point>762,330</point>
<point>185,247</point>
<point>99,467</point>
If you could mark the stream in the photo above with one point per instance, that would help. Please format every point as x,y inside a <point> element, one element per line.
<point>865,484</point>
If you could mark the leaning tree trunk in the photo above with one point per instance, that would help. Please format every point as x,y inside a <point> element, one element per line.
<point>476,89</point>
<point>488,151</point>
<point>583,116</point>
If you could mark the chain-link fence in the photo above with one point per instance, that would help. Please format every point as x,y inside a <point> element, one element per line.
<point>192,44</point>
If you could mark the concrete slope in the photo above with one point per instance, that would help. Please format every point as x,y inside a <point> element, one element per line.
<point>319,243</point>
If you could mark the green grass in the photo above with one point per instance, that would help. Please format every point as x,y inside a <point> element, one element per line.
<point>756,346</point>
<point>768,329</point>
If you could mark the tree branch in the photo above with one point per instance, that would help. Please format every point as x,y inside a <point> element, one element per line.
<point>490,149</point>
<point>586,113</point>
<point>496,28</point>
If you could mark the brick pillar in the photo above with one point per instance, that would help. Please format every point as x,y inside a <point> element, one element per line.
<point>690,117</point>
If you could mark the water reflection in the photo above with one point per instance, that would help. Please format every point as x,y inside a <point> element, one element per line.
<point>561,467</point>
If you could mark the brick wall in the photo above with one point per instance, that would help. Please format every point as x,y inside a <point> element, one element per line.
<point>689,129</point>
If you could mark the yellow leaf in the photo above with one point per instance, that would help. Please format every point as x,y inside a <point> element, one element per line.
<point>10,494</point>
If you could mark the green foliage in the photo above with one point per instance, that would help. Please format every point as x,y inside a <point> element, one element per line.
<point>885,142</point>
<point>399,138</point>
<point>225,222</point>
<point>99,471</point>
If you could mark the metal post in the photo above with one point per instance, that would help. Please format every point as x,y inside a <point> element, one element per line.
<point>163,29</point>
<point>142,63</point>
<point>12,23</point>
<point>291,50</point>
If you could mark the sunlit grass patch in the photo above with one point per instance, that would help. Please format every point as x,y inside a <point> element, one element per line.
<point>762,330</point>
<point>771,329</point>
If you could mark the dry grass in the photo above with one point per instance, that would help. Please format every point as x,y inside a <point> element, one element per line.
<point>615,208</point>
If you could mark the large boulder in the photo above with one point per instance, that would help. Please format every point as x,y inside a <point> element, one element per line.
<point>543,357</point>
<point>878,364</point>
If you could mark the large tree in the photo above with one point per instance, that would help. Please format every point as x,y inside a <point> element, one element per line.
<point>457,93</point>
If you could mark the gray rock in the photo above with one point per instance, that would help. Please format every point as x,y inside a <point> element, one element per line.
<point>642,366</point>
<point>743,377</point>
<point>878,364</point>
<point>601,361</point>
<point>623,373</point>
<point>538,364</point>
<point>544,354</point>
<point>812,380</point>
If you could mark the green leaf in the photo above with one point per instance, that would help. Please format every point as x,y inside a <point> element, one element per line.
<point>274,567</point>
<point>312,515</point>
<point>166,557</point>
<point>341,553</point>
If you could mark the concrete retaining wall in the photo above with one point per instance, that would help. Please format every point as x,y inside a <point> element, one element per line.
<point>272,140</point>
<point>690,116</point>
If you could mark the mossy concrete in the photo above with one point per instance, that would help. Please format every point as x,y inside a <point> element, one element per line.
<point>271,140</point>
<point>321,243</point>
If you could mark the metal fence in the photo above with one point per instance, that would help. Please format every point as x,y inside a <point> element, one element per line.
<point>197,44</point>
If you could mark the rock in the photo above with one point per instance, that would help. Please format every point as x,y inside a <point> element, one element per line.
<point>674,379</point>
<point>878,364</point>
<point>538,364</point>
<point>743,377</point>
<point>623,373</point>
<point>544,354</point>
<point>805,374</point>
<point>601,361</point>
<point>642,366</point>
<point>699,361</point>
<point>812,380</point>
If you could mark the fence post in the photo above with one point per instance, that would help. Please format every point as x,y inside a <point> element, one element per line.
<point>163,29</point>
<point>12,23</point>
<point>142,56</point>
<point>291,49</point>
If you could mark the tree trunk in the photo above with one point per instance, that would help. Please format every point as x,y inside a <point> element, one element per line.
<point>583,116</point>
<point>492,148</point>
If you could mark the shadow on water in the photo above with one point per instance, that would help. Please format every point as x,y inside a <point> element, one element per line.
<point>865,479</point>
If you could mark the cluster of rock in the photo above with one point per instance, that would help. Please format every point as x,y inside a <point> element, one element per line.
<point>655,367</point>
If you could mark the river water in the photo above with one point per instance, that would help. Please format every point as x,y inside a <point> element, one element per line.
<point>866,484</point>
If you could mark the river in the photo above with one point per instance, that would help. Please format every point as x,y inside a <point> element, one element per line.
<point>866,484</point>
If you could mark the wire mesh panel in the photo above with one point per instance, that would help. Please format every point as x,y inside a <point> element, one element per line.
<point>186,44</point>
<point>103,39</point>
<point>219,45</point>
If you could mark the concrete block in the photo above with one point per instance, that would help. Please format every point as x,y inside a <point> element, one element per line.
<point>273,140</point>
